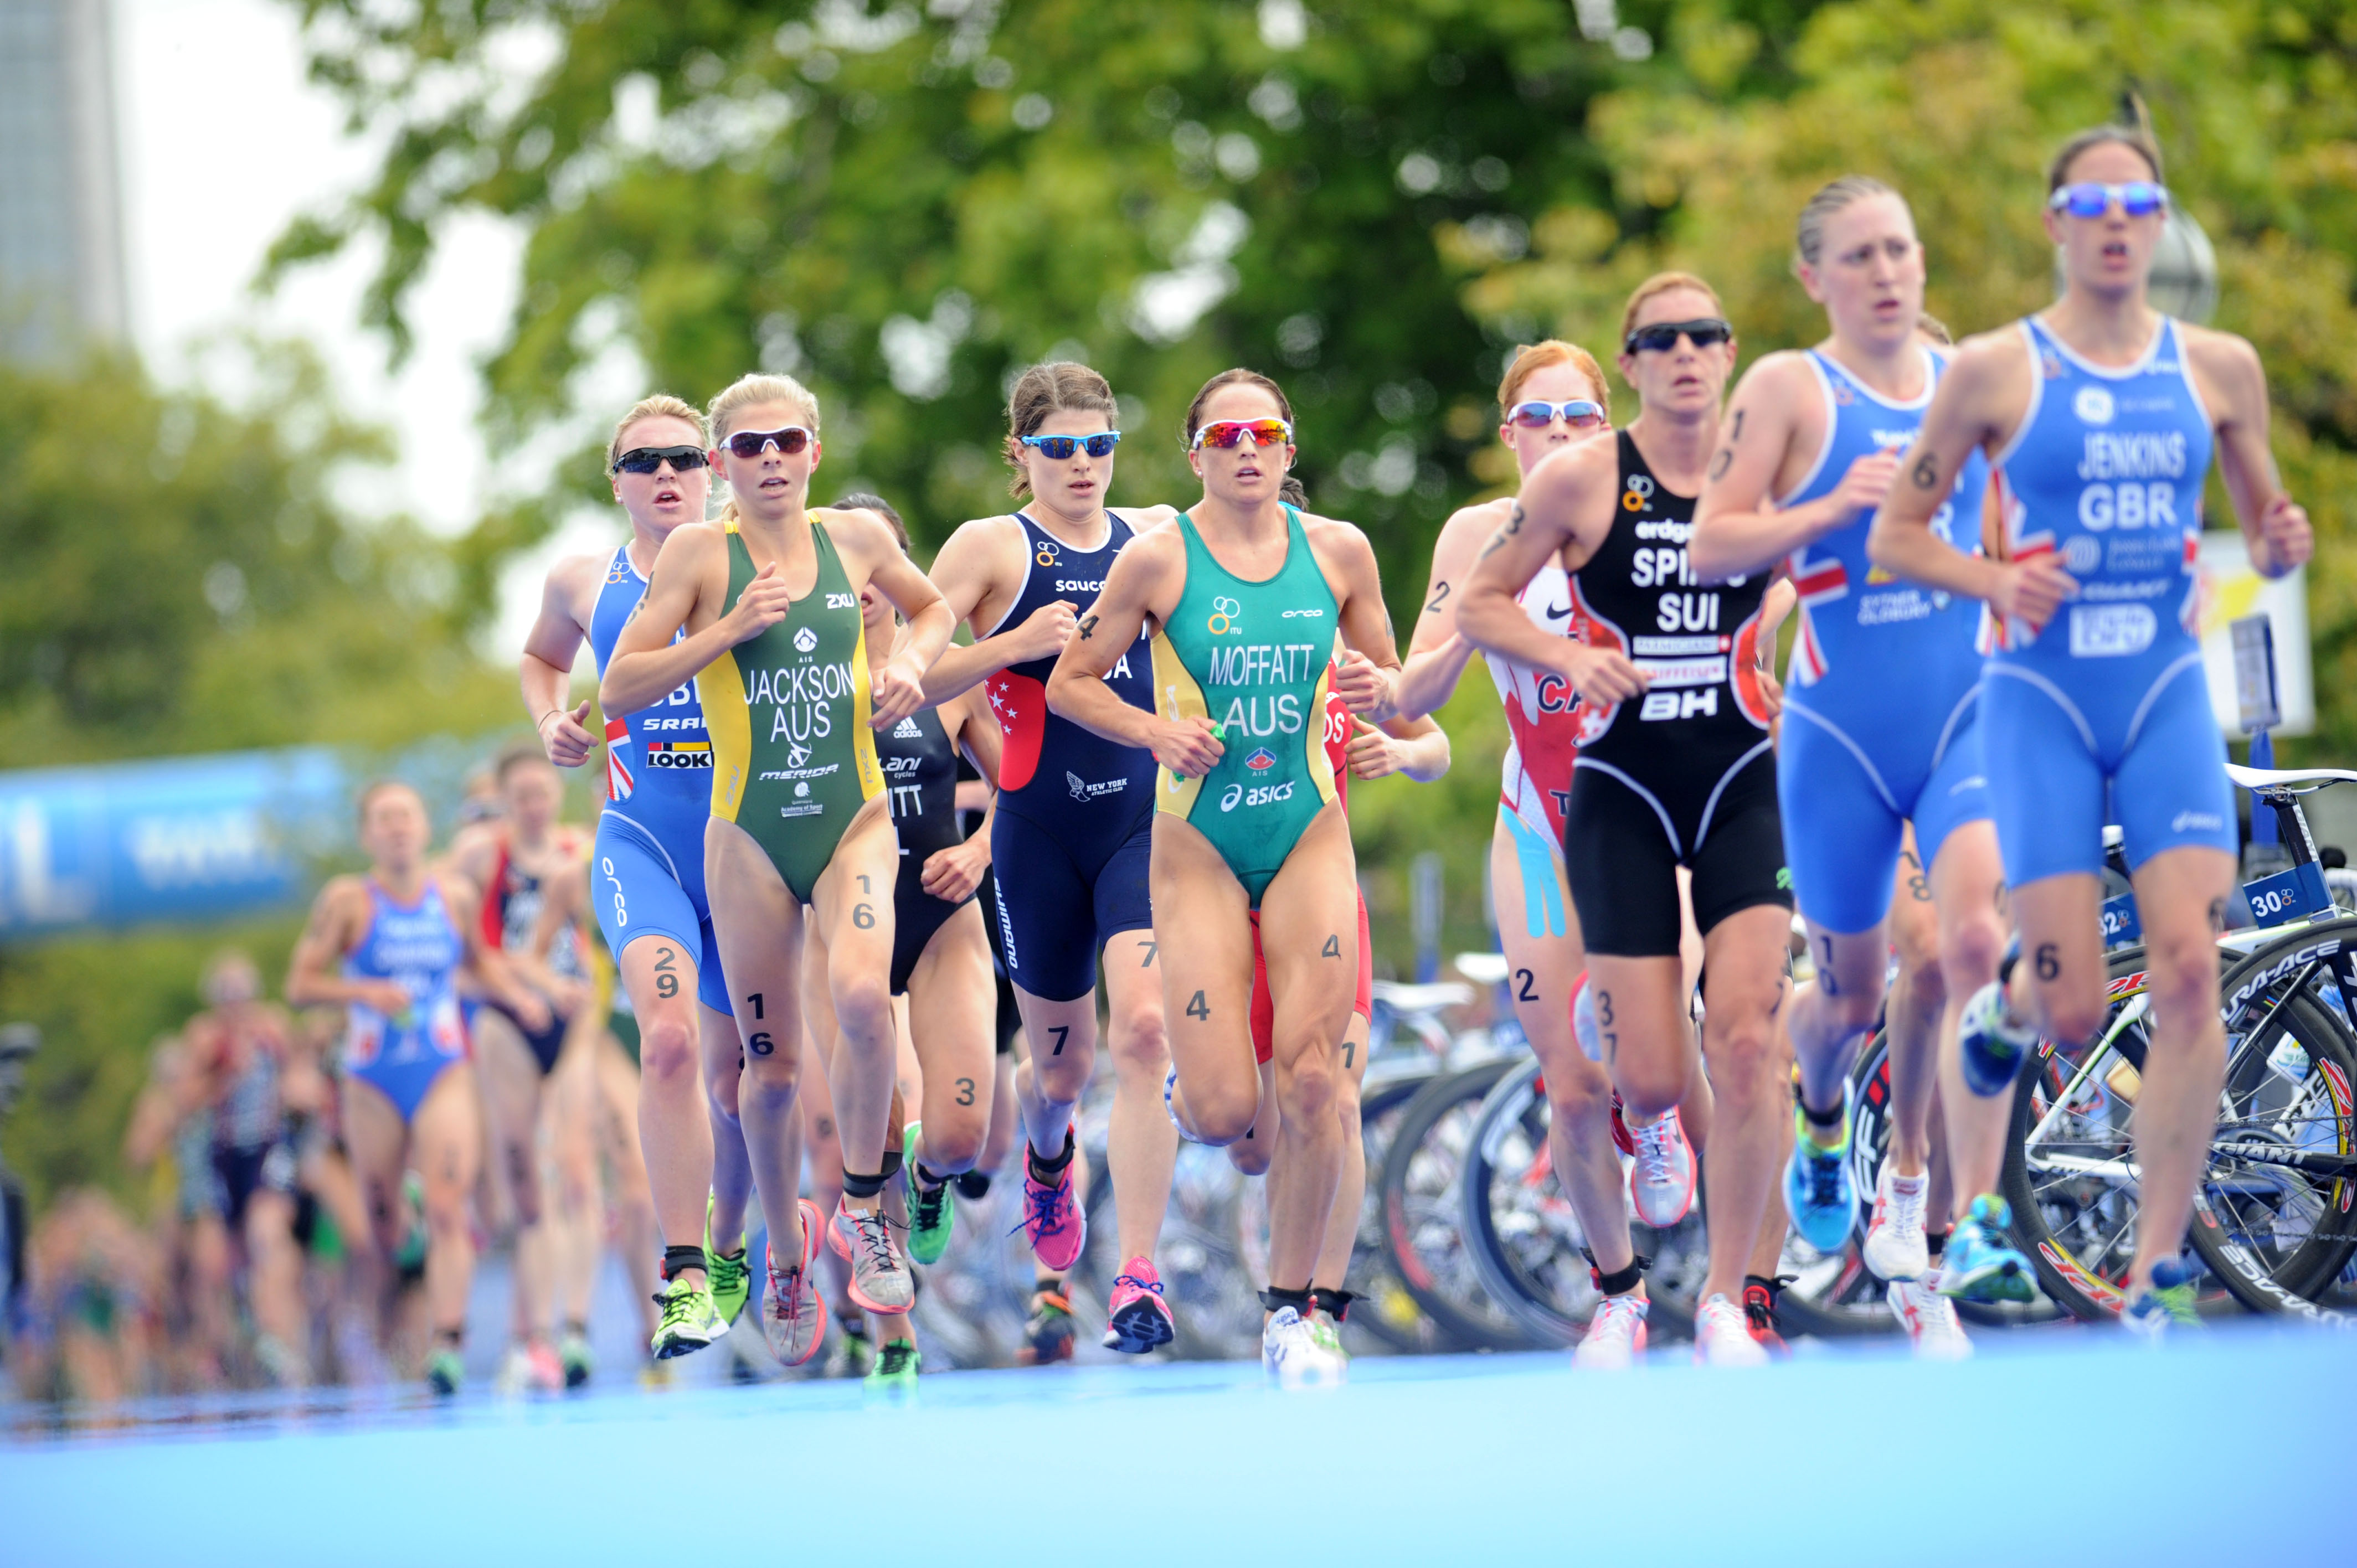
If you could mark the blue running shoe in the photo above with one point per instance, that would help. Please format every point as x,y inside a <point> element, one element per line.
<point>2163,1305</point>
<point>1818,1191</point>
<point>1977,1264</point>
<point>1992,1046</point>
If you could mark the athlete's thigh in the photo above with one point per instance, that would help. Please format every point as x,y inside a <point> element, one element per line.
<point>377,1141</point>
<point>1643,1021</point>
<point>1309,935</point>
<point>636,896</point>
<point>1047,918</point>
<point>1622,869</point>
<point>1544,957</point>
<point>759,925</point>
<point>1202,929</point>
<point>1968,882</point>
<point>507,1075</point>
<point>817,1006</point>
<point>2062,942</point>
<point>1914,921</point>
<point>2046,790</point>
<point>852,901</point>
<point>446,1134</point>
<point>1850,964</point>
<point>2185,891</point>
<point>660,976</point>
<point>616,1115</point>
<point>1743,968</point>
<point>950,1000</point>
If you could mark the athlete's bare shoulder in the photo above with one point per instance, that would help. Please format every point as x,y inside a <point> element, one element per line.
<point>575,579</point>
<point>1564,480</point>
<point>982,555</point>
<point>1987,358</point>
<point>342,907</point>
<point>1469,525</point>
<point>1154,551</point>
<point>1145,518</point>
<point>1337,541</point>
<point>2226,367</point>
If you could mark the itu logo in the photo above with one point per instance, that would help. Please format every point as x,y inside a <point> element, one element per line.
<point>1225,614</point>
<point>2094,406</point>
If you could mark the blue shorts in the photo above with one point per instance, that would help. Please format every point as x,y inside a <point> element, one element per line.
<point>1055,913</point>
<point>2050,754</point>
<point>641,889</point>
<point>1845,799</point>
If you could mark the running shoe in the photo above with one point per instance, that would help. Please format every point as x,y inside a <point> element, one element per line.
<point>1662,1179</point>
<point>573,1355</point>
<point>857,1353</point>
<point>1140,1318</point>
<point>1723,1337</point>
<point>1048,1332</point>
<point>1992,1046</point>
<point>281,1367</point>
<point>1616,1335</point>
<point>535,1367</point>
<point>1930,1319</point>
<point>1583,1020</point>
<point>1052,1220</point>
<point>1329,1339</point>
<point>1290,1352</point>
<point>1818,1191</point>
<point>1896,1248</point>
<point>930,1209</point>
<point>895,1370</point>
<point>794,1322</point>
<point>1977,1264</point>
<point>880,1280</point>
<point>445,1371</point>
<point>730,1279</point>
<point>1759,1313</point>
<point>1620,1138</point>
<point>689,1323</point>
<point>2163,1305</point>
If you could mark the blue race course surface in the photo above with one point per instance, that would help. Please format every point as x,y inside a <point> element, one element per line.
<point>2050,1445</point>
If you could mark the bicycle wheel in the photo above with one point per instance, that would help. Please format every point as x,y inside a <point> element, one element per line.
<point>1386,1314</point>
<point>1422,1236</point>
<point>2271,1217</point>
<point>2070,1174</point>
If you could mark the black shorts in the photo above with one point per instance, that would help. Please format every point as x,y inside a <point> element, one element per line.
<point>1055,913</point>
<point>1010,1013</point>
<point>242,1171</point>
<point>1623,839</point>
<point>546,1045</point>
<point>915,915</point>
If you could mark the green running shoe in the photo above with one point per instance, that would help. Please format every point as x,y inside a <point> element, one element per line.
<point>690,1321</point>
<point>573,1354</point>
<point>895,1368</point>
<point>445,1372</point>
<point>2165,1306</point>
<point>930,1209</point>
<point>854,1354</point>
<point>731,1278</point>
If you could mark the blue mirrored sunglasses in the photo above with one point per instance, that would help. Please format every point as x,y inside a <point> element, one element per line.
<point>1537,413</point>
<point>1056,449</point>
<point>2137,198</point>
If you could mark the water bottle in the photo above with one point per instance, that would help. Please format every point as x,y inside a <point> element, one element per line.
<point>2289,1061</point>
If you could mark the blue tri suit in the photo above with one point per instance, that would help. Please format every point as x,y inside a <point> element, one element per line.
<point>418,947</point>
<point>1880,719</point>
<point>2106,474</point>
<point>647,878</point>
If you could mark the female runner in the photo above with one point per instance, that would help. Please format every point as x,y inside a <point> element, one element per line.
<point>2100,417</point>
<point>1074,814</point>
<point>1674,767</point>
<point>1880,733</point>
<point>770,600</point>
<point>1553,395</point>
<point>1248,594</point>
<point>401,934</point>
<point>647,880</point>
<point>941,955</point>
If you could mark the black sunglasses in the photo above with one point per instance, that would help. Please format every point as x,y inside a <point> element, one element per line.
<point>1661,336</point>
<point>647,459</point>
<point>752,443</point>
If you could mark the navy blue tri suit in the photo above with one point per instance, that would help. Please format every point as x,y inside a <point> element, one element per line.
<point>1073,834</point>
<point>647,877</point>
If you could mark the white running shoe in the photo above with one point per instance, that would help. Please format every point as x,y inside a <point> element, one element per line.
<point>1662,1178</point>
<point>1616,1335</point>
<point>1930,1319</point>
<point>1895,1248</point>
<point>1723,1337</point>
<point>1291,1351</point>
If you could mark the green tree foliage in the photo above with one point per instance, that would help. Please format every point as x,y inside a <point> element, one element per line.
<point>904,205</point>
<point>182,579</point>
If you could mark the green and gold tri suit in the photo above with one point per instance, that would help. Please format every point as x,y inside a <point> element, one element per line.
<point>793,759</point>
<point>1253,657</point>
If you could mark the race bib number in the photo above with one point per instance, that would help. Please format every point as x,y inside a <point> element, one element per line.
<point>2111,631</point>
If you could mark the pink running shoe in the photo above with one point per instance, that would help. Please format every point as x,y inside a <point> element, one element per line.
<point>794,1320</point>
<point>1140,1319</point>
<point>1662,1179</point>
<point>880,1280</point>
<point>1052,1220</point>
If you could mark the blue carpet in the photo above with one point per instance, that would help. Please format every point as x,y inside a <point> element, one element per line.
<point>2064,1444</point>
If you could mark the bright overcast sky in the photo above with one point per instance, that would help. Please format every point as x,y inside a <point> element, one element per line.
<point>222,140</point>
